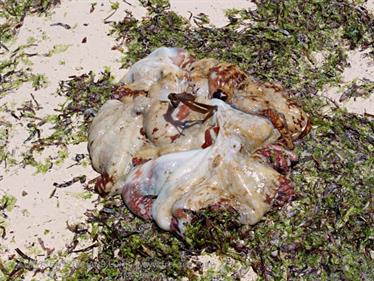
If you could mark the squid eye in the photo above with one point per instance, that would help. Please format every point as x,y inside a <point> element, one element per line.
<point>219,94</point>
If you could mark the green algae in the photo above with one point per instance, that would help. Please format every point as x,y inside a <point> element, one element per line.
<point>58,49</point>
<point>39,81</point>
<point>138,249</point>
<point>7,203</point>
<point>275,42</point>
<point>15,67</point>
<point>12,74</point>
<point>5,155</point>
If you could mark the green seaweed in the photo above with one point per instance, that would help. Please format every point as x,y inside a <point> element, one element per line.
<point>7,202</point>
<point>12,75</point>
<point>214,230</point>
<point>39,81</point>
<point>275,43</point>
<point>13,12</point>
<point>14,67</point>
<point>327,232</point>
<point>57,49</point>
<point>139,250</point>
<point>5,155</point>
<point>85,94</point>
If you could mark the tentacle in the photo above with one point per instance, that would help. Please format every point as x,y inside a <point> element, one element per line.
<point>279,122</point>
<point>138,203</point>
<point>277,156</point>
<point>103,184</point>
<point>285,192</point>
<point>306,130</point>
<point>126,94</point>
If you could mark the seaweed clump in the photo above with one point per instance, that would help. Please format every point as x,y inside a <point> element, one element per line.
<point>85,94</point>
<point>14,11</point>
<point>14,65</point>
<point>12,15</point>
<point>137,250</point>
<point>327,232</point>
<point>214,229</point>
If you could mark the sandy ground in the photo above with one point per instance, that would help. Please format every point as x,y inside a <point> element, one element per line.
<point>361,67</point>
<point>36,215</point>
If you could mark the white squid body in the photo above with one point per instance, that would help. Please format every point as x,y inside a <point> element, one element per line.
<point>113,140</point>
<point>223,173</point>
<point>161,63</point>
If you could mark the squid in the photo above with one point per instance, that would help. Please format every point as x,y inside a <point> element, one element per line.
<point>182,134</point>
<point>224,173</point>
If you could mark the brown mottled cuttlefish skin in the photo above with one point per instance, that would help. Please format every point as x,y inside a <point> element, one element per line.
<point>184,134</point>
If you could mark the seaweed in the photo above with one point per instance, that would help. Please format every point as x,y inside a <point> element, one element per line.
<point>5,155</point>
<point>276,42</point>
<point>327,232</point>
<point>138,250</point>
<point>14,11</point>
<point>85,94</point>
<point>7,203</point>
<point>11,74</point>
<point>15,65</point>
<point>359,88</point>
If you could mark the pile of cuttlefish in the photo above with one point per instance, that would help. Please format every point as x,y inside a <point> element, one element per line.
<point>183,134</point>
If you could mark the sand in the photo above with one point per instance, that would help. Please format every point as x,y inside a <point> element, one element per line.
<point>361,67</point>
<point>36,215</point>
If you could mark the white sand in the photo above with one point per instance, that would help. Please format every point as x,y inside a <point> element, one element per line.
<point>213,8</point>
<point>361,67</point>
<point>36,215</point>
